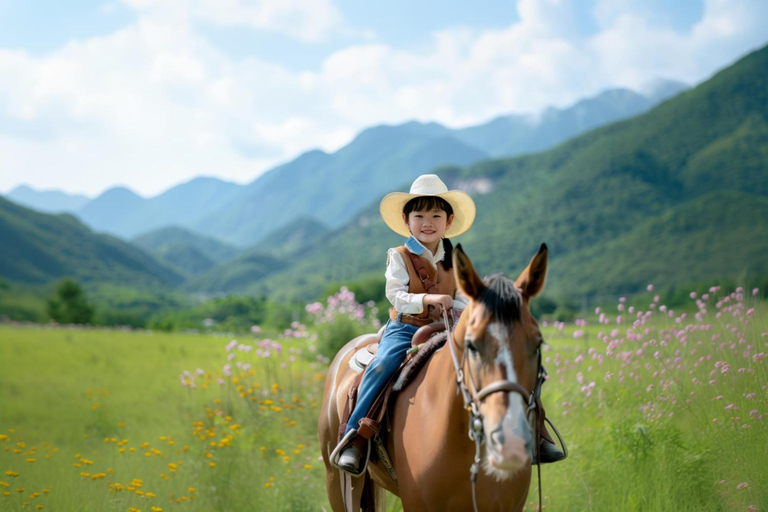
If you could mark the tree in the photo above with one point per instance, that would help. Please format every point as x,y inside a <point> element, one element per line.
<point>69,306</point>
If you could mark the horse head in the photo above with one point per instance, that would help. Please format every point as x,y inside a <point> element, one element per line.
<point>501,345</point>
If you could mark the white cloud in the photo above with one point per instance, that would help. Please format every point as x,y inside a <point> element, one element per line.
<point>307,21</point>
<point>155,103</point>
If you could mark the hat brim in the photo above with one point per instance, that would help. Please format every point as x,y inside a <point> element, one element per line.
<point>391,208</point>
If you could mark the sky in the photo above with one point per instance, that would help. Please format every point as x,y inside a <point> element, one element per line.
<point>149,94</point>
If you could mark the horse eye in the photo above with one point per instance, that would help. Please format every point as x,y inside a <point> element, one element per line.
<point>471,347</point>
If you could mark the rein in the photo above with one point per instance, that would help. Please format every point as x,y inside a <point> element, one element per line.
<point>473,398</point>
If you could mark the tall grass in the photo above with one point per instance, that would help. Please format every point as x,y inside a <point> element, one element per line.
<point>108,420</point>
<point>661,411</point>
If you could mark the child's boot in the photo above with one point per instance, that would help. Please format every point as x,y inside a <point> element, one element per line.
<point>351,457</point>
<point>548,450</point>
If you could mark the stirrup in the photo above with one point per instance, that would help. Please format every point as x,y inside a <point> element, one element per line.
<point>333,458</point>
<point>559,438</point>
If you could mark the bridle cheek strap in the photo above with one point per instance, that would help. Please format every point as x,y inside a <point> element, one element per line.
<point>472,399</point>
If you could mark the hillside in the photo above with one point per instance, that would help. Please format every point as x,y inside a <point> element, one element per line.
<point>331,187</point>
<point>189,252</point>
<point>680,242</point>
<point>605,202</point>
<point>275,252</point>
<point>40,247</point>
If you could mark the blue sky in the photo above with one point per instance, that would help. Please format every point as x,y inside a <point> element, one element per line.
<point>151,93</point>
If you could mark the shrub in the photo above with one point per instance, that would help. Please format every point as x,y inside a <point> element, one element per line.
<point>341,319</point>
<point>69,306</point>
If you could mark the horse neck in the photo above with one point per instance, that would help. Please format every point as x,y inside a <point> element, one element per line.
<point>444,377</point>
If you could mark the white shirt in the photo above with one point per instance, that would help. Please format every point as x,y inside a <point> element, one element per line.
<point>398,278</point>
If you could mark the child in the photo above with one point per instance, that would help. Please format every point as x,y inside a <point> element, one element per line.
<point>425,215</point>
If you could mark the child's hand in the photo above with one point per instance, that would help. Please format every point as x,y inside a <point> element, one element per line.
<point>434,302</point>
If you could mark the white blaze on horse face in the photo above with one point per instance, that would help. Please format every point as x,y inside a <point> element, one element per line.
<point>512,439</point>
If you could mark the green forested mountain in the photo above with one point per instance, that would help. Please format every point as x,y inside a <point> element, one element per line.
<point>40,247</point>
<point>185,250</point>
<point>367,166</point>
<point>277,251</point>
<point>331,187</point>
<point>677,194</point>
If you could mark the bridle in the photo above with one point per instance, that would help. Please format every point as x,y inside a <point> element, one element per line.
<point>473,399</point>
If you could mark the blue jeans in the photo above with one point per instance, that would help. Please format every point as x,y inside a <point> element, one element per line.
<point>391,353</point>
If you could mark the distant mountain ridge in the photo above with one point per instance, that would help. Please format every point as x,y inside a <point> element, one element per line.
<point>122,212</point>
<point>675,195</point>
<point>353,175</point>
<point>48,201</point>
<point>514,135</point>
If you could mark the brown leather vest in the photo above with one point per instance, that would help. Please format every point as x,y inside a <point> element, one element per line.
<point>445,284</point>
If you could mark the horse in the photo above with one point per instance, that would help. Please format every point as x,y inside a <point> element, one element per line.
<point>498,344</point>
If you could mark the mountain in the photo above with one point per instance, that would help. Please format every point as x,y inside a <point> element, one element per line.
<point>126,214</point>
<point>273,253</point>
<point>112,210</point>
<point>330,187</point>
<point>40,247</point>
<point>677,194</point>
<point>515,134</point>
<point>189,252</point>
<point>366,167</point>
<point>49,201</point>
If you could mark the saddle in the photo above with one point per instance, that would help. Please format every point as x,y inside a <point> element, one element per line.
<point>425,341</point>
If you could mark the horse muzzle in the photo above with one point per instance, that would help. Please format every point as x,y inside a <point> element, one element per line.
<point>510,444</point>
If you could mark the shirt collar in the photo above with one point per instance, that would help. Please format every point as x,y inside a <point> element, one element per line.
<point>416,247</point>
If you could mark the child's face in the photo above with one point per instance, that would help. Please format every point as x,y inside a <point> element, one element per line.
<point>428,226</point>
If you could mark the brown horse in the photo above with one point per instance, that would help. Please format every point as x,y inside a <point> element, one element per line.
<point>498,343</point>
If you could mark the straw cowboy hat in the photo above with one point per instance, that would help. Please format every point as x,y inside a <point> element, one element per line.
<point>392,205</point>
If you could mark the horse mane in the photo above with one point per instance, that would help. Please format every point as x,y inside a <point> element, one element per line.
<point>501,298</point>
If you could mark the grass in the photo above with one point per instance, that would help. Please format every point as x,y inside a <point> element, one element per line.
<point>660,413</point>
<point>87,412</point>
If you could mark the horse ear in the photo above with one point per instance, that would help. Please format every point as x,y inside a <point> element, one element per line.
<point>531,280</point>
<point>469,282</point>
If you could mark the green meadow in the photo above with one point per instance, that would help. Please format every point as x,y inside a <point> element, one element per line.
<point>661,411</point>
